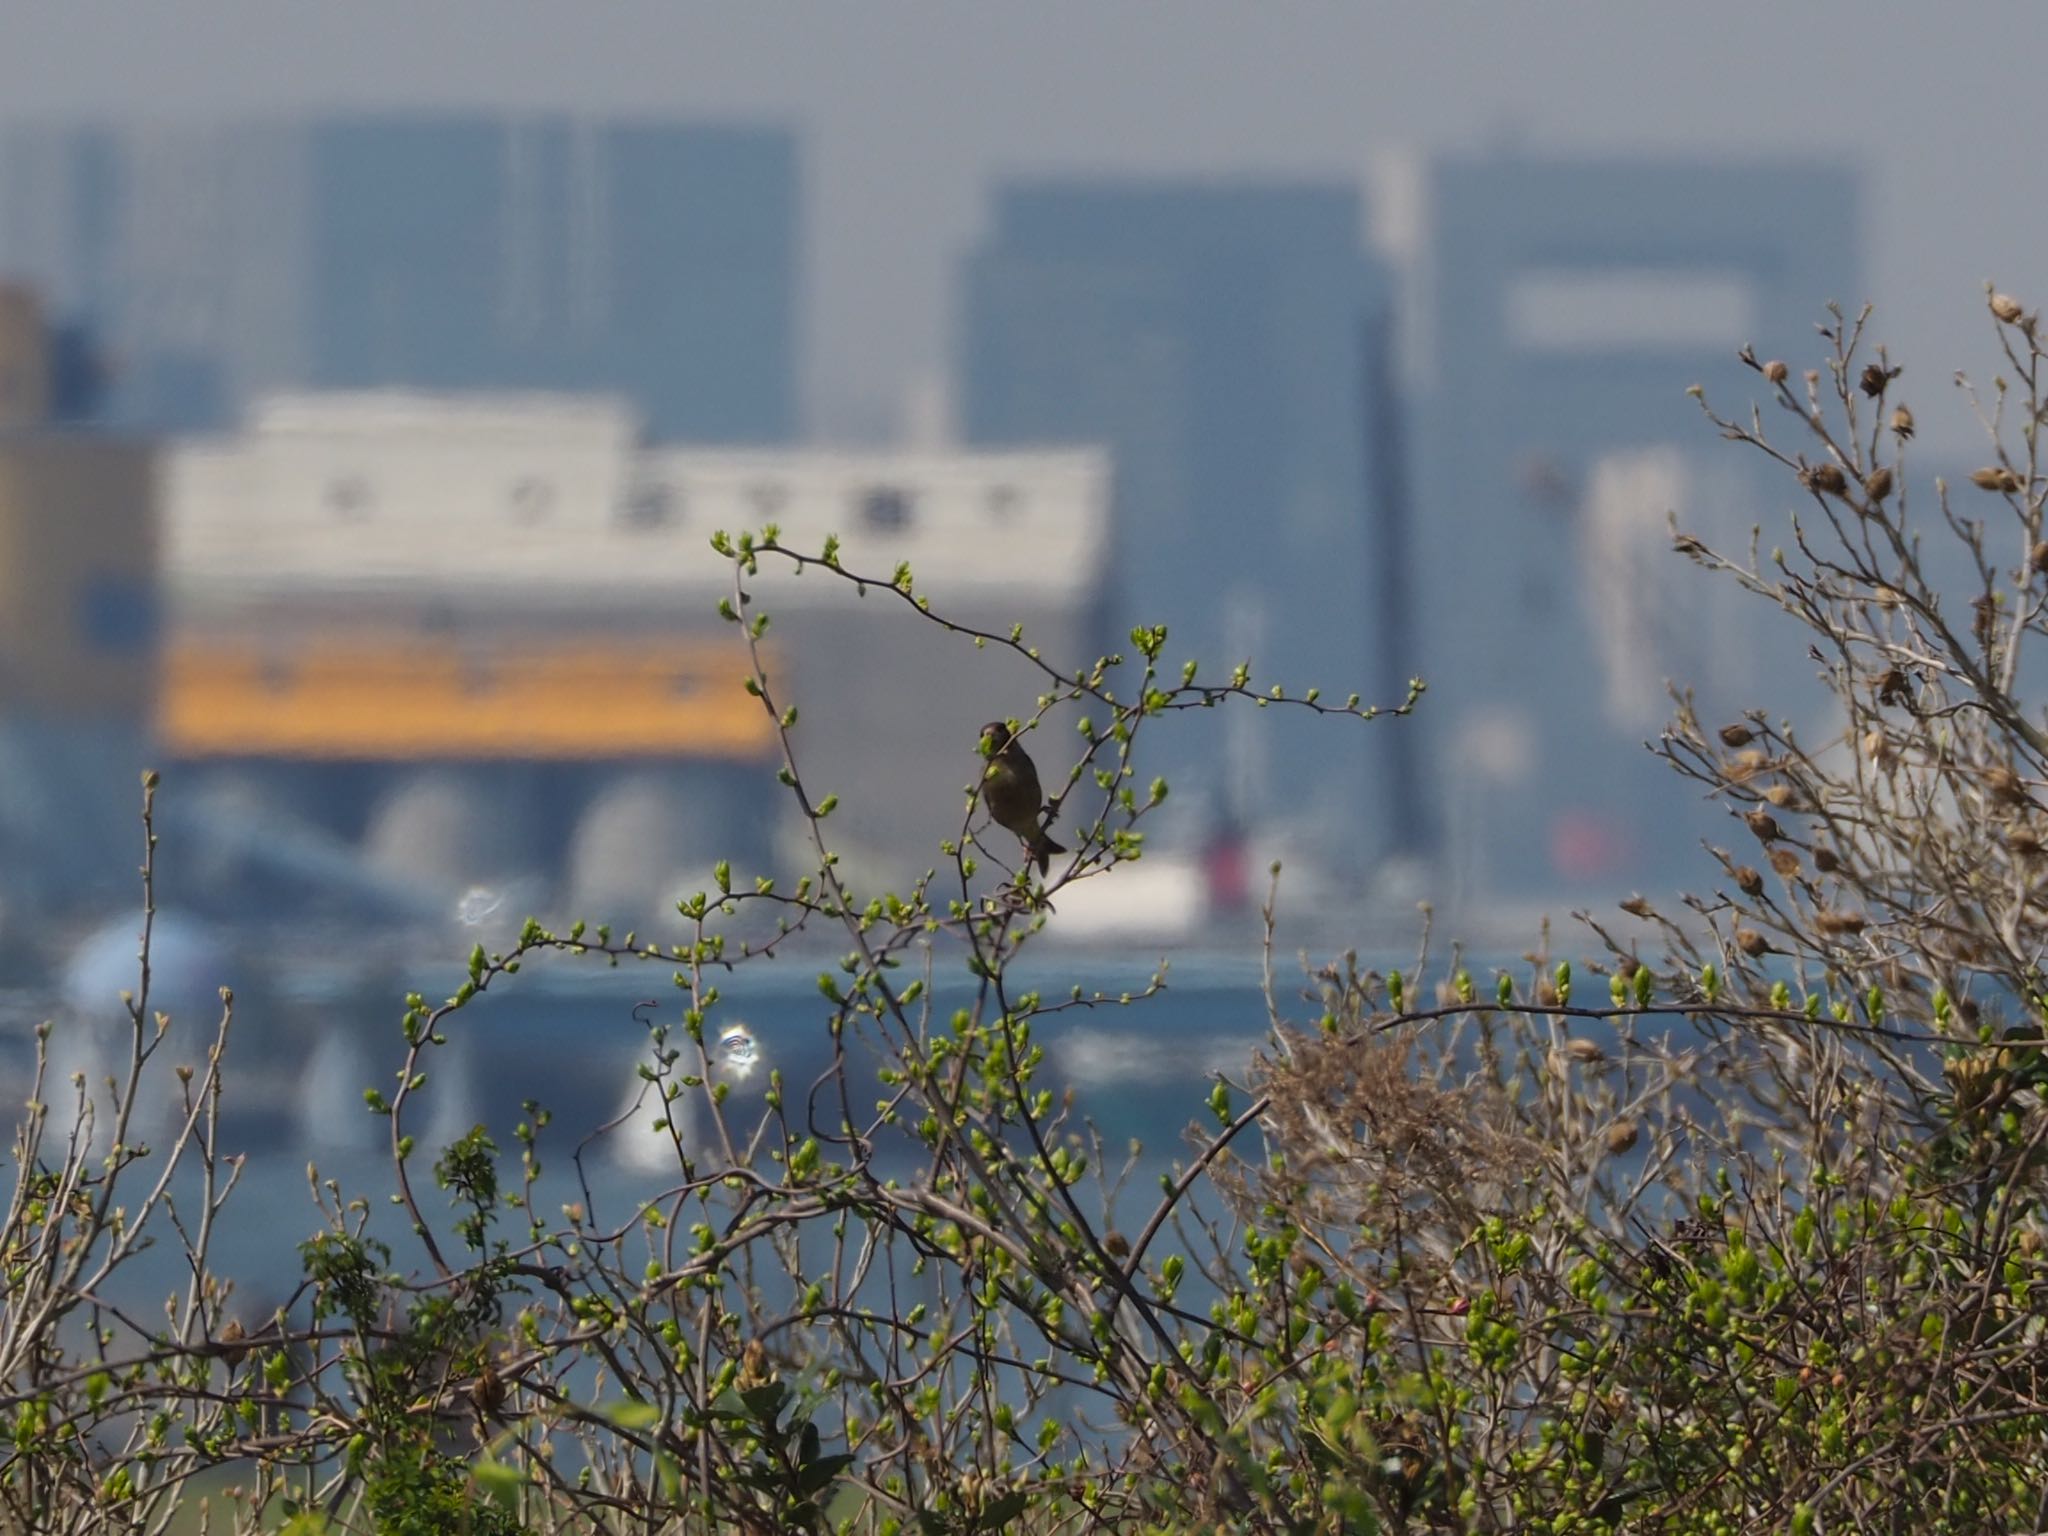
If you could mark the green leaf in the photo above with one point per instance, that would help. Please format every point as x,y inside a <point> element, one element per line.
<point>668,1474</point>
<point>764,1403</point>
<point>814,1476</point>
<point>999,1514</point>
<point>633,1413</point>
<point>496,1481</point>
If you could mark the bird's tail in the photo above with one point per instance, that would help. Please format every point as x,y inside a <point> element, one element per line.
<point>1042,849</point>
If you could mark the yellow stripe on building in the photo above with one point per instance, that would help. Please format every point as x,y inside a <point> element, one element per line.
<point>371,699</point>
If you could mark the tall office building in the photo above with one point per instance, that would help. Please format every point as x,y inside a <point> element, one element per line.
<point>1571,305</point>
<point>1222,339</point>
<point>78,640</point>
<point>660,261</point>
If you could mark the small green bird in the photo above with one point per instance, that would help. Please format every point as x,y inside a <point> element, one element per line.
<point>1010,790</point>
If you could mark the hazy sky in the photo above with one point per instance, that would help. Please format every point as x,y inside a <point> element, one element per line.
<point>908,107</point>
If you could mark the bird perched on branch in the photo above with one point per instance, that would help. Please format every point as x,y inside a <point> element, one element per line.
<point>1010,790</point>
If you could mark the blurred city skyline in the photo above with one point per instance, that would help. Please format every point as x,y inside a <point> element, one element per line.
<point>1277,493</point>
<point>1352,345</point>
<point>909,113</point>
<point>1375,397</point>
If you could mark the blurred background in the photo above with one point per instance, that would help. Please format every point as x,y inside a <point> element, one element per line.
<point>372,378</point>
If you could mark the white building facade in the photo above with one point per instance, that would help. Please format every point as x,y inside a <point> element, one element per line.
<point>499,612</point>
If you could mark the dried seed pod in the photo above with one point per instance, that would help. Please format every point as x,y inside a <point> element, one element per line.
<point>1776,371</point>
<point>1748,881</point>
<point>1825,861</point>
<point>1902,423</point>
<point>1638,906</point>
<point>1874,380</point>
<point>2005,785</point>
<point>2006,308</point>
<point>1621,1136</point>
<point>2037,557</point>
<point>1877,747</point>
<point>1763,824</point>
<point>1971,1077</point>
<point>1985,625</point>
<point>1752,943</point>
<point>1546,992</point>
<point>1571,1051</point>
<point>1995,477</point>
<point>1839,922</point>
<point>487,1392</point>
<point>1828,478</point>
<point>1780,795</point>
<point>753,1370</point>
<point>1585,1051</point>
<point>1737,735</point>
<point>1878,483</point>
<point>1746,766</point>
<point>1785,862</point>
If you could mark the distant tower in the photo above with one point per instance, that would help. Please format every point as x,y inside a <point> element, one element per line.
<point>658,261</point>
<point>78,566</point>
<point>1207,334</point>
<point>24,360</point>
<point>1572,302</point>
<point>219,263</point>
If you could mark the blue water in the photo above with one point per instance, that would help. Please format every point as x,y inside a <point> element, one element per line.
<point>569,1034</point>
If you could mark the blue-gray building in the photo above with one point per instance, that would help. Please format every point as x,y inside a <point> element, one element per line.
<point>1226,340</point>
<point>1572,302</point>
<point>658,260</point>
